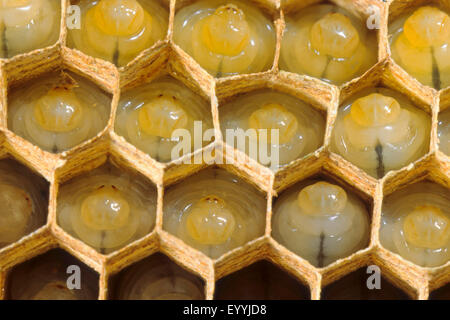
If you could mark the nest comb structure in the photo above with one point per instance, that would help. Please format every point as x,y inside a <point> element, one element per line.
<point>165,57</point>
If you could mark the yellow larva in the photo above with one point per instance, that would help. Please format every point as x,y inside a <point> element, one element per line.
<point>226,37</point>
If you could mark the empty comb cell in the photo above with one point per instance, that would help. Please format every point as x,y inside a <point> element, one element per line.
<point>46,277</point>
<point>107,208</point>
<point>444,132</point>
<point>321,222</point>
<point>416,224</point>
<point>300,127</point>
<point>118,30</point>
<point>24,198</point>
<point>214,212</point>
<point>380,130</point>
<point>354,286</point>
<point>226,37</point>
<point>260,281</point>
<point>148,115</point>
<point>157,278</point>
<point>419,43</point>
<point>27,25</point>
<point>58,111</point>
<point>327,42</point>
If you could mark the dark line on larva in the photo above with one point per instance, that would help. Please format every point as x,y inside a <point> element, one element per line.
<point>435,72</point>
<point>380,167</point>
<point>321,256</point>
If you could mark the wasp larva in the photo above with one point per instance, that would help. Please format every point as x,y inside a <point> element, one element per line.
<point>58,112</point>
<point>300,126</point>
<point>419,43</point>
<point>26,25</point>
<point>226,37</point>
<point>47,278</point>
<point>148,115</point>
<point>107,208</point>
<point>24,199</point>
<point>444,132</point>
<point>158,278</point>
<point>416,224</point>
<point>214,212</point>
<point>321,222</point>
<point>327,42</point>
<point>118,30</point>
<point>380,130</point>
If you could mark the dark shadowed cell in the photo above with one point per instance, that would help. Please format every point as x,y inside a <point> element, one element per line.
<point>47,277</point>
<point>354,287</point>
<point>156,278</point>
<point>441,293</point>
<point>260,281</point>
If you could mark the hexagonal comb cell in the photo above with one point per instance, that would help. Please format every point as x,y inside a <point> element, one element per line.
<point>444,131</point>
<point>226,37</point>
<point>299,127</point>
<point>354,286</point>
<point>260,281</point>
<point>156,278</point>
<point>380,130</point>
<point>416,223</point>
<point>419,38</point>
<point>24,198</point>
<point>214,212</point>
<point>442,293</point>
<point>320,221</point>
<point>58,111</point>
<point>327,42</point>
<point>118,30</point>
<point>107,208</point>
<point>148,115</point>
<point>55,275</point>
<point>27,25</point>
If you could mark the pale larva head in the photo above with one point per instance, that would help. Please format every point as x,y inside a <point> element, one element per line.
<point>426,27</point>
<point>210,222</point>
<point>59,110</point>
<point>226,31</point>
<point>105,209</point>
<point>161,116</point>
<point>15,214</point>
<point>427,227</point>
<point>375,110</point>
<point>322,198</point>
<point>274,116</point>
<point>118,18</point>
<point>334,35</point>
<point>55,290</point>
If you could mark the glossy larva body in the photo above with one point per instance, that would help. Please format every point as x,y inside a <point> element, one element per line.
<point>27,25</point>
<point>380,130</point>
<point>148,115</point>
<point>327,42</point>
<point>24,199</point>
<point>419,43</point>
<point>58,112</point>
<point>118,30</point>
<point>416,224</point>
<point>214,212</point>
<point>107,208</point>
<point>226,37</point>
<point>320,221</point>
<point>300,126</point>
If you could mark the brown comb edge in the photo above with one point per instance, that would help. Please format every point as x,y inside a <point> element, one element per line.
<point>414,280</point>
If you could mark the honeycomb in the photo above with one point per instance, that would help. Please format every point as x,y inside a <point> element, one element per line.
<point>263,254</point>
